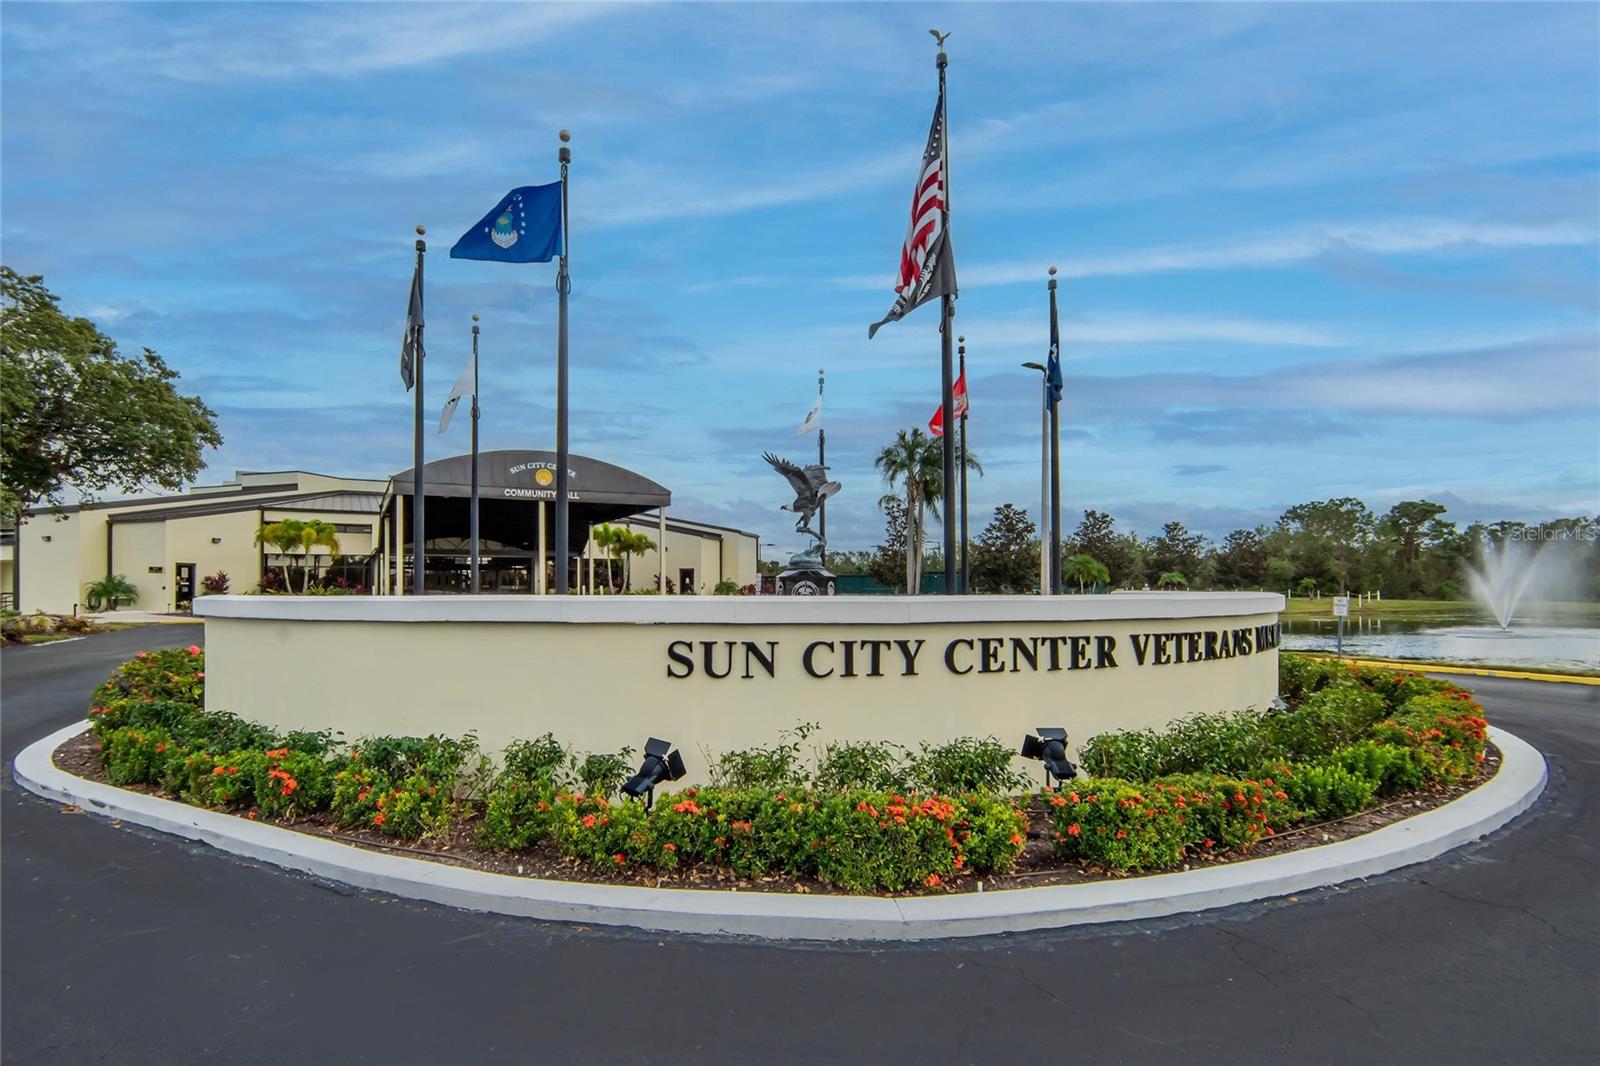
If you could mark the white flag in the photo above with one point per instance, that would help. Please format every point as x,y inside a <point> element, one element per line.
<point>466,385</point>
<point>813,418</point>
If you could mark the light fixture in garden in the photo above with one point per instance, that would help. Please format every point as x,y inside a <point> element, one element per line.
<point>1050,747</point>
<point>661,763</point>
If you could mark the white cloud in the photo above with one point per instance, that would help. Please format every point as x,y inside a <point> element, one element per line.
<point>1299,244</point>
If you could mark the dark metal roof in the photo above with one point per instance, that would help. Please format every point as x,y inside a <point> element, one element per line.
<point>344,502</point>
<point>530,475</point>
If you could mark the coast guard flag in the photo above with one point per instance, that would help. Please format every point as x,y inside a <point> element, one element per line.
<point>927,265</point>
<point>813,418</point>
<point>466,385</point>
<point>525,227</point>
<point>411,347</point>
<point>958,403</point>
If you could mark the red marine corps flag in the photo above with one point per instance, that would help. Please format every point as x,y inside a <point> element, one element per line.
<point>936,423</point>
<point>927,267</point>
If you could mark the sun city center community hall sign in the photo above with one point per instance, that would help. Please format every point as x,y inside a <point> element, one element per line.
<point>750,659</point>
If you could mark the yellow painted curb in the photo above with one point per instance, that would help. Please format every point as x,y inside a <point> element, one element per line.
<point>1456,668</point>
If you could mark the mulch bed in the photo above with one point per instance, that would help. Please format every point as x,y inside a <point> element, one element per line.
<point>1036,866</point>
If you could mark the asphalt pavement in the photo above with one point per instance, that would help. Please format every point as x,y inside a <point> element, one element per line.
<point>120,945</point>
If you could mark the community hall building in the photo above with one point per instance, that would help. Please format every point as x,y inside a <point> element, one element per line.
<point>165,546</point>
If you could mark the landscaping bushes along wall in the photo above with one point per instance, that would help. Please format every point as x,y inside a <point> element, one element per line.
<point>859,817</point>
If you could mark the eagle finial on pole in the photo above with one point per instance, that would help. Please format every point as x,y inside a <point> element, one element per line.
<point>940,37</point>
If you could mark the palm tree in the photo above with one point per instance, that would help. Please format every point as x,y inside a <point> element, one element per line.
<point>606,538</point>
<point>915,462</point>
<point>1085,570</point>
<point>1172,579</point>
<point>313,535</point>
<point>283,535</point>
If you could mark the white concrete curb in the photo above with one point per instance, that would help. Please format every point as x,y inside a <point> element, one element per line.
<point>1511,791</point>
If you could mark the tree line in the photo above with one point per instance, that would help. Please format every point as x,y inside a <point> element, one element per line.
<point>1324,547</point>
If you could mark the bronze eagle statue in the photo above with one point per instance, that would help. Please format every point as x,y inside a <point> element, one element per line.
<point>811,487</point>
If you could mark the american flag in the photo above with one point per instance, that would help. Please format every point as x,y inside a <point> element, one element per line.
<point>927,268</point>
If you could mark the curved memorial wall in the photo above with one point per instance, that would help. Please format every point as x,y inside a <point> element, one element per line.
<point>719,673</point>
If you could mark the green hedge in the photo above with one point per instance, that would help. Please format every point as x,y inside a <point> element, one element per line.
<point>864,817</point>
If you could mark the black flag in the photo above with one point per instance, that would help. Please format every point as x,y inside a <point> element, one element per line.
<point>411,347</point>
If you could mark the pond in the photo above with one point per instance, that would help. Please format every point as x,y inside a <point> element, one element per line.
<point>1540,639</point>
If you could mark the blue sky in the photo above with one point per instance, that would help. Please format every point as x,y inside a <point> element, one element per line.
<point>1306,251</point>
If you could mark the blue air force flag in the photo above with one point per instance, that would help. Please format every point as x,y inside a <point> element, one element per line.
<point>525,227</point>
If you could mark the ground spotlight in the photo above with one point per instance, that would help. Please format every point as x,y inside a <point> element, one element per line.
<point>661,763</point>
<point>1050,747</point>
<point>1280,704</point>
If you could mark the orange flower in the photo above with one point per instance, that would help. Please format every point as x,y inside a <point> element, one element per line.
<point>669,846</point>
<point>618,859</point>
<point>194,649</point>
<point>1209,842</point>
<point>932,880</point>
<point>161,746</point>
<point>1122,834</point>
<point>377,819</point>
<point>1073,796</point>
<point>588,821</point>
<point>217,771</point>
<point>251,816</point>
<point>1057,801</point>
<point>1281,794</point>
<point>1074,830</point>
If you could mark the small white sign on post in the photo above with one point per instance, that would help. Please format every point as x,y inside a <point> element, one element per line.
<point>1341,606</point>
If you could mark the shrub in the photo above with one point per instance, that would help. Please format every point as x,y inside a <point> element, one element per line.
<point>232,782</point>
<point>541,759</point>
<point>967,765</point>
<point>287,783</point>
<point>406,787</point>
<point>857,840</point>
<point>1445,731</point>
<point>516,813</point>
<point>1329,790</point>
<point>134,756</point>
<point>215,584</point>
<point>725,588</point>
<point>1127,825</point>
<point>1330,718</point>
<point>1391,768</point>
<point>603,773</point>
<point>880,767</point>
<point>774,766</point>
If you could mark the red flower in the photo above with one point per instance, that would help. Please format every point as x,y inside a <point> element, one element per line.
<point>377,819</point>
<point>618,859</point>
<point>588,821</point>
<point>1074,830</point>
<point>669,846</point>
<point>932,880</point>
<point>251,816</point>
<point>1209,842</point>
<point>1122,834</point>
<point>194,649</point>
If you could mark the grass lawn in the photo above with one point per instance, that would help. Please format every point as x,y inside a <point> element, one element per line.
<point>1463,611</point>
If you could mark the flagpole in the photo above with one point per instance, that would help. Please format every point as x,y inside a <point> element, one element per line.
<point>419,562</point>
<point>1044,488</point>
<point>966,566</point>
<point>822,461</point>
<point>1055,456</point>
<point>474,517</point>
<point>947,311</point>
<point>563,457</point>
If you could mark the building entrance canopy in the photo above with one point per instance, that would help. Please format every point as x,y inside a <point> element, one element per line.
<point>516,491</point>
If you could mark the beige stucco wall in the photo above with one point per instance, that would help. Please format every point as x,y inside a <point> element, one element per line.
<point>50,568</point>
<point>136,547</point>
<point>449,665</point>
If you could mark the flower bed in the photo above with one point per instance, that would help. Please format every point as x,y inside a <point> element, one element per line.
<point>860,818</point>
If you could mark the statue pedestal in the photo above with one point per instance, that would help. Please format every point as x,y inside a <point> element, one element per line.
<point>803,580</point>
